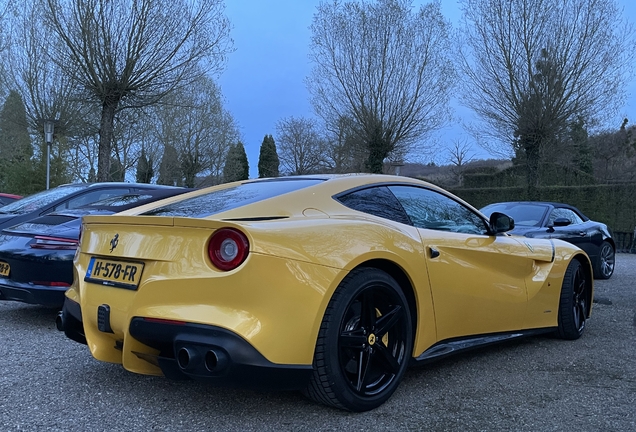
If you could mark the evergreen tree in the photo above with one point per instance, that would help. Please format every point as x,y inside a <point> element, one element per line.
<point>268,161</point>
<point>117,172</point>
<point>236,166</point>
<point>144,168</point>
<point>170,168</point>
<point>16,150</point>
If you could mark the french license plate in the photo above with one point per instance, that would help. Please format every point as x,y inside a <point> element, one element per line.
<point>122,274</point>
<point>5,268</point>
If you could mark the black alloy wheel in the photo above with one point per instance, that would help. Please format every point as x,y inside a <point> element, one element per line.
<point>574,305</point>
<point>365,343</point>
<point>606,261</point>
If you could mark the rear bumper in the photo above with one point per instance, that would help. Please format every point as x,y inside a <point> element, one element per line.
<point>51,296</point>
<point>197,351</point>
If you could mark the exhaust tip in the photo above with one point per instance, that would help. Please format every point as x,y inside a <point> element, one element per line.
<point>184,357</point>
<point>59,321</point>
<point>211,361</point>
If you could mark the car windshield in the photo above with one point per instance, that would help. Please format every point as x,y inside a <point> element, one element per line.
<point>40,199</point>
<point>523,214</point>
<point>221,200</point>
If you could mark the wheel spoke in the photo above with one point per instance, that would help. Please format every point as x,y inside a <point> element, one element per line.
<point>363,367</point>
<point>386,358</point>
<point>367,314</point>
<point>579,283</point>
<point>388,320</point>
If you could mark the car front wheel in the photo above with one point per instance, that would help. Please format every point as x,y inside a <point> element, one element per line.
<point>574,304</point>
<point>364,344</point>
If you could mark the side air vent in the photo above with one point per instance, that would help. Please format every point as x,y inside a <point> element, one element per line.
<point>53,219</point>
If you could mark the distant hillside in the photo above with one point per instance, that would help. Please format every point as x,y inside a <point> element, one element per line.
<point>450,175</point>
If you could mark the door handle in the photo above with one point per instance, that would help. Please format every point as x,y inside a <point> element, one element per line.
<point>583,233</point>
<point>434,252</point>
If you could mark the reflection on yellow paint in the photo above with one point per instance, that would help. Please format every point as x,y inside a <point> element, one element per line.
<point>237,320</point>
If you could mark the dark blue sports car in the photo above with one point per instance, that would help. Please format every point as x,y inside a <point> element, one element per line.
<point>562,221</point>
<point>36,257</point>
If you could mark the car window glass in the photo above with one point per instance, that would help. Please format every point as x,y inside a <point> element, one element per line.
<point>564,213</point>
<point>41,199</point>
<point>432,210</point>
<point>220,200</point>
<point>90,197</point>
<point>523,214</point>
<point>377,201</point>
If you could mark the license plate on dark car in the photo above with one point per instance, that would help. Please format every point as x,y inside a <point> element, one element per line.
<point>122,274</point>
<point>5,268</point>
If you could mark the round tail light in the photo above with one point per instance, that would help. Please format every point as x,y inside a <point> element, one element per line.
<point>228,248</point>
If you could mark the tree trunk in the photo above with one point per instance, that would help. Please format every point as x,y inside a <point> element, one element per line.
<point>379,149</point>
<point>106,129</point>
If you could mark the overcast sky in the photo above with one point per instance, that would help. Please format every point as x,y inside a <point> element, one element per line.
<point>264,78</point>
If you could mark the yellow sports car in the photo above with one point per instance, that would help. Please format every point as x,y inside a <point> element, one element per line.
<point>329,284</point>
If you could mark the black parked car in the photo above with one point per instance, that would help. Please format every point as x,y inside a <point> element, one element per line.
<point>562,221</point>
<point>36,256</point>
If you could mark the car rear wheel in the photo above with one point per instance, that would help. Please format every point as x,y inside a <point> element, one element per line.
<point>364,344</point>
<point>606,261</point>
<point>574,303</point>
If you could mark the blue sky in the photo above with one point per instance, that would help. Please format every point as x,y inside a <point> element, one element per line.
<point>264,78</point>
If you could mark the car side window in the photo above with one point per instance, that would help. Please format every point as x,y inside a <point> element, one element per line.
<point>90,197</point>
<point>432,210</point>
<point>564,213</point>
<point>378,201</point>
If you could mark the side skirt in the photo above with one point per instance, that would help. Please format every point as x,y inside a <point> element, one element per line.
<point>458,345</point>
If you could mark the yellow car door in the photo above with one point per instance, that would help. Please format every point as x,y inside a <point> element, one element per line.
<point>477,280</point>
<point>477,283</point>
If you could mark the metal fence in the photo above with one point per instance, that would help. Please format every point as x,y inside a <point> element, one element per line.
<point>625,241</point>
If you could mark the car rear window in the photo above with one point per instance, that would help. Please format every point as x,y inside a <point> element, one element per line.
<point>41,199</point>
<point>222,200</point>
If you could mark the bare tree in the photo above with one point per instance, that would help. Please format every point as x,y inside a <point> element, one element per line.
<point>460,155</point>
<point>345,151</point>
<point>131,53</point>
<point>300,147</point>
<point>47,93</point>
<point>533,67</point>
<point>194,121</point>
<point>385,66</point>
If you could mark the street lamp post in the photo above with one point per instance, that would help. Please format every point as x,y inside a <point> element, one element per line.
<point>49,126</point>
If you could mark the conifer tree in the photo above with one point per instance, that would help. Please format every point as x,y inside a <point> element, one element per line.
<point>236,165</point>
<point>268,161</point>
<point>117,171</point>
<point>16,150</point>
<point>170,168</point>
<point>145,171</point>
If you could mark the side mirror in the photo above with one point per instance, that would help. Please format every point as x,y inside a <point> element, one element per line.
<point>500,222</point>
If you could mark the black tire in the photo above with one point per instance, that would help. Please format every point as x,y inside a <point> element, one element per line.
<point>574,305</point>
<point>365,343</point>
<point>605,262</point>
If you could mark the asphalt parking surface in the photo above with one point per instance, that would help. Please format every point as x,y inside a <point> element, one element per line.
<point>50,383</point>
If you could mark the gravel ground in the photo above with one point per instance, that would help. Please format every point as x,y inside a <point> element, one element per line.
<point>50,383</point>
